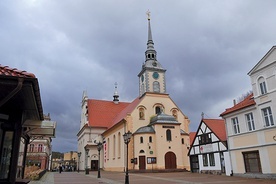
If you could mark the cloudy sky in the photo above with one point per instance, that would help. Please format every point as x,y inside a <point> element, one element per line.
<point>207,47</point>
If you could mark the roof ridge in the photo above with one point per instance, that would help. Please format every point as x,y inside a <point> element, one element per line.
<point>8,71</point>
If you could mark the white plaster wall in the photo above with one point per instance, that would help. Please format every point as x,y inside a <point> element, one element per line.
<point>227,161</point>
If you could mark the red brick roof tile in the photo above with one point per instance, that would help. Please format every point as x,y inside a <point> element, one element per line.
<point>192,136</point>
<point>248,101</point>
<point>218,127</point>
<point>102,113</point>
<point>7,71</point>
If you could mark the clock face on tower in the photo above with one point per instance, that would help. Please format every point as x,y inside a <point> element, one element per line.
<point>155,75</point>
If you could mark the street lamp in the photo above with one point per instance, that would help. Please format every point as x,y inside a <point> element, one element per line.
<point>86,161</point>
<point>74,169</point>
<point>99,146</point>
<point>127,137</point>
<point>79,154</point>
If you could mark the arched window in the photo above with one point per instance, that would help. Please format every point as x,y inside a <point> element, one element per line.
<point>119,144</point>
<point>114,145</point>
<point>31,147</point>
<point>143,89</point>
<point>152,56</point>
<point>156,86</point>
<point>182,140</point>
<point>150,139</point>
<point>141,140</point>
<point>107,150</point>
<point>141,113</point>
<point>174,113</point>
<point>40,147</point>
<point>141,151</point>
<point>169,135</point>
<point>157,110</point>
<point>262,86</point>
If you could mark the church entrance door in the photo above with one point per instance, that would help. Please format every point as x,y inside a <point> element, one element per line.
<point>170,160</point>
<point>94,165</point>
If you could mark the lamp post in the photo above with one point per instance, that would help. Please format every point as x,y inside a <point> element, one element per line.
<point>86,161</point>
<point>127,137</point>
<point>74,169</point>
<point>79,154</point>
<point>99,146</point>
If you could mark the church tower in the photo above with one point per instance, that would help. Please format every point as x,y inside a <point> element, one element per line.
<point>152,75</point>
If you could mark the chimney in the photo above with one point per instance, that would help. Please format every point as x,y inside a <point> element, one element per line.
<point>234,102</point>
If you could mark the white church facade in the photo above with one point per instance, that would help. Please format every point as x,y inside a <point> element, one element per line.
<point>160,130</point>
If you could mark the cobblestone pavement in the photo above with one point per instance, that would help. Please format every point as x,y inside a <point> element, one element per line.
<point>145,178</point>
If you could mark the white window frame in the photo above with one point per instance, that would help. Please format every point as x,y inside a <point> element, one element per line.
<point>235,125</point>
<point>262,86</point>
<point>267,117</point>
<point>250,121</point>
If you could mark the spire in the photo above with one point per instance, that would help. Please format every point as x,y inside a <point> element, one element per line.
<point>116,95</point>
<point>150,52</point>
<point>150,44</point>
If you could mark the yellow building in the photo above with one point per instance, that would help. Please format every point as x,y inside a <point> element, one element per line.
<point>250,124</point>
<point>160,130</point>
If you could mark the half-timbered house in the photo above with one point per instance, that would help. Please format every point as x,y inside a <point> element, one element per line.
<point>208,152</point>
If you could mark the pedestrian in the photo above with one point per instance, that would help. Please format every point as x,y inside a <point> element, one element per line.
<point>60,167</point>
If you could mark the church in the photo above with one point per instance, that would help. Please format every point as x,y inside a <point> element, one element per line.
<point>159,129</point>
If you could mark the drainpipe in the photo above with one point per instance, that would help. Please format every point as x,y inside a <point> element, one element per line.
<point>14,91</point>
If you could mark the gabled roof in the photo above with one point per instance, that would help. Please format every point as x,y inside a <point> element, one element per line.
<point>270,56</point>
<point>7,71</point>
<point>192,137</point>
<point>217,126</point>
<point>248,101</point>
<point>130,107</point>
<point>101,113</point>
<point>106,114</point>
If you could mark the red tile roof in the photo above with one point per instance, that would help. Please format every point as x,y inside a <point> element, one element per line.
<point>192,137</point>
<point>102,113</point>
<point>248,101</point>
<point>218,127</point>
<point>7,71</point>
<point>106,114</point>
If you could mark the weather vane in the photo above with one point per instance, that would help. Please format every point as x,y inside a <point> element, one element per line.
<point>148,13</point>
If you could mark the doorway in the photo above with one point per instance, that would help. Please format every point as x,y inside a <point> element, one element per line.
<point>142,162</point>
<point>94,165</point>
<point>170,160</point>
<point>194,164</point>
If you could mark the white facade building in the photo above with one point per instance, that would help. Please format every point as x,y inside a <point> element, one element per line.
<point>251,123</point>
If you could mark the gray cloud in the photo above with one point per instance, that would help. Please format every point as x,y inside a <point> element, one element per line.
<point>207,48</point>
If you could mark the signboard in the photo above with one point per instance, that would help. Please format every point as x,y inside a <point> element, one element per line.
<point>206,148</point>
<point>151,160</point>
